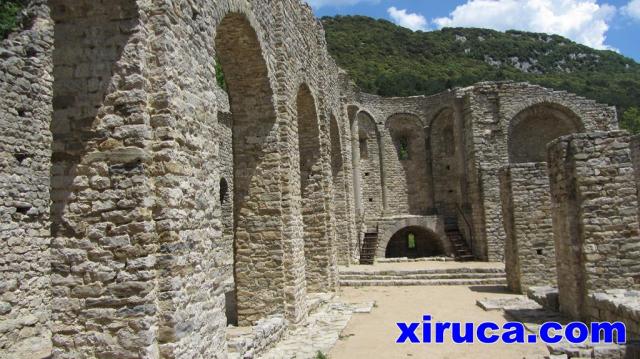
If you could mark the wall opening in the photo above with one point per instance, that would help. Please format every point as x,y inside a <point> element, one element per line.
<point>254,139</point>
<point>414,242</point>
<point>224,191</point>
<point>532,129</point>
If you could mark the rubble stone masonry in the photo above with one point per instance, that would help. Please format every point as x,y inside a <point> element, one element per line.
<point>530,258</point>
<point>595,221</point>
<point>146,204</point>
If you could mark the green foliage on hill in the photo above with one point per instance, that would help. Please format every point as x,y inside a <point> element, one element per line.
<point>389,60</point>
<point>9,10</point>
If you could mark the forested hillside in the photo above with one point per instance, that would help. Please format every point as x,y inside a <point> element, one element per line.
<point>389,60</point>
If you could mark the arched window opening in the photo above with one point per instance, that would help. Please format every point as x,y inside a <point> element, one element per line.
<point>224,191</point>
<point>403,149</point>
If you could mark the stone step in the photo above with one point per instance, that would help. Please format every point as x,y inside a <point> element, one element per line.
<point>421,271</point>
<point>424,276</point>
<point>423,282</point>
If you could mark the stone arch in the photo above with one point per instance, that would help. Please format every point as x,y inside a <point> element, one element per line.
<point>254,143</point>
<point>444,164</point>
<point>406,165</point>
<point>426,244</point>
<point>534,127</point>
<point>317,243</point>
<point>370,164</point>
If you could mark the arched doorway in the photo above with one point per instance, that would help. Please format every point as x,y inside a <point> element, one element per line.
<point>414,242</point>
<point>254,139</point>
<point>532,129</point>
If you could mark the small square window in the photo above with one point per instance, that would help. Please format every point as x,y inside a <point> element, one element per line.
<point>540,252</point>
<point>370,199</point>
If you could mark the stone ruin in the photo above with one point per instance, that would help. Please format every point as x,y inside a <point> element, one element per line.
<point>147,204</point>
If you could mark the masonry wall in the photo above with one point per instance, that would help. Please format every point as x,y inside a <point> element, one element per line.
<point>25,152</point>
<point>114,161</point>
<point>371,170</point>
<point>490,108</point>
<point>526,208</point>
<point>595,222</point>
<point>405,162</point>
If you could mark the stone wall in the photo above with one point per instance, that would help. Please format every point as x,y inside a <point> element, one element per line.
<point>595,221</point>
<point>489,110</point>
<point>152,205</point>
<point>25,152</point>
<point>526,208</point>
<point>405,164</point>
<point>618,305</point>
<point>371,170</point>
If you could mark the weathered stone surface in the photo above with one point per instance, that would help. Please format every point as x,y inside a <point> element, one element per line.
<point>595,217</point>
<point>145,206</point>
<point>526,209</point>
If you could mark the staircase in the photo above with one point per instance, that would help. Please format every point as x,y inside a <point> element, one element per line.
<point>369,247</point>
<point>423,277</point>
<point>460,247</point>
<point>461,250</point>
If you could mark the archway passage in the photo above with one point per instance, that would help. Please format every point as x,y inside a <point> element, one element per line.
<point>257,248</point>
<point>532,129</point>
<point>317,245</point>
<point>414,242</point>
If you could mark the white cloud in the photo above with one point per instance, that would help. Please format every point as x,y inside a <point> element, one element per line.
<point>584,21</point>
<point>411,21</point>
<point>338,3</point>
<point>632,9</point>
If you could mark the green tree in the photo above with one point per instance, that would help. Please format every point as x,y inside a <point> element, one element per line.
<point>630,120</point>
<point>9,10</point>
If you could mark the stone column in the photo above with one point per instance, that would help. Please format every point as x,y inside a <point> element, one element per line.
<point>526,210</point>
<point>383,179</point>
<point>357,176</point>
<point>595,222</point>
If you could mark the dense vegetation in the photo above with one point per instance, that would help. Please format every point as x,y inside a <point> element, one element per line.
<point>9,10</point>
<point>389,60</point>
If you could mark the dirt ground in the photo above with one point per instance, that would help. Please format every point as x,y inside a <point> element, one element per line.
<point>373,335</point>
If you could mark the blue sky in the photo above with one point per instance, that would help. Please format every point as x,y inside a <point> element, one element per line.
<point>613,24</point>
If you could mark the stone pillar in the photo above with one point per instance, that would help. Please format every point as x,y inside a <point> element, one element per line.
<point>595,222</point>
<point>357,176</point>
<point>526,208</point>
<point>383,182</point>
